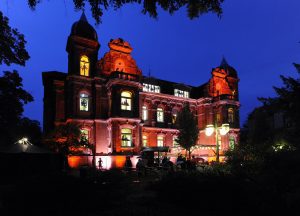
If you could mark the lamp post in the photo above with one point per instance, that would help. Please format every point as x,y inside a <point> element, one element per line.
<point>223,130</point>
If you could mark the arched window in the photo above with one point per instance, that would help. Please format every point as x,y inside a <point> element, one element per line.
<point>160,141</point>
<point>145,141</point>
<point>230,115</point>
<point>160,115</point>
<point>84,66</point>
<point>126,137</point>
<point>144,113</point>
<point>84,102</point>
<point>126,100</point>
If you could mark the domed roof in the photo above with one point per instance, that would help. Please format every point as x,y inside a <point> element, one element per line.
<point>83,29</point>
<point>231,72</point>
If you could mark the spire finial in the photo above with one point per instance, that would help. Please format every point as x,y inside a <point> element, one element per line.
<point>83,17</point>
<point>224,62</point>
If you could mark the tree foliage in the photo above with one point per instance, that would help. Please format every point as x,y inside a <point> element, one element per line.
<point>188,128</point>
<point>12,100</point>
<point>195,8</point>
<point>67,139</point>
<point>12,44</point>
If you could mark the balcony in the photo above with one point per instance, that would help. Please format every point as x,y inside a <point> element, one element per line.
<point>124,76</point>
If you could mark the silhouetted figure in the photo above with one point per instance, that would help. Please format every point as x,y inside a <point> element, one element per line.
<point>140,167</point>
<point>128,164</point>
<point>100,163</point>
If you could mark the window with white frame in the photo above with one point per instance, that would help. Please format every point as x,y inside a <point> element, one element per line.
<point>144,113</point>
<point>84,102</point>
<point>126,137</point>
<point>151,88</point>
<point>181,93</point>
<point>160,141</point>
<point>145,141</point>
<point>160,115</point>
<point>126,100</point>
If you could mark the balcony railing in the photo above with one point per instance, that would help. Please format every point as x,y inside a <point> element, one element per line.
<point>125,76</point>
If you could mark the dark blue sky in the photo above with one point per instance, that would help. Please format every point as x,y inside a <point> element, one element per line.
<point>258,38</point>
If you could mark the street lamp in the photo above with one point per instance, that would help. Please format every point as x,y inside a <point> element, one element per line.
<point>223,130</point>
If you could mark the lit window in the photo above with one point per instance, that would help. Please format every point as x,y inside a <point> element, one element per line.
<point>174,117</point>
<point>84,135</point>
<point>230,115</point>
<point>126,137</point>
<point>180,93</point>
<point>126,100</point>
<point>175,143</point>
<point>145,141</point>
<point>160,141</point>
<point>84,102</point>
<point>84,66</point>
<point>151,88</point>
<point>160,115</point>
<point>144,113</point>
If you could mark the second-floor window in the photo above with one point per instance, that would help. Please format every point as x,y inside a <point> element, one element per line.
<point>144,113</point>
<point>160,115</point>
<point>126,100</point>
<point>84,102</point>
<point>84,66</point>
<point>181,93</point>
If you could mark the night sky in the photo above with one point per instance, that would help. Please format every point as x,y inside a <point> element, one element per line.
<point>260,39</point>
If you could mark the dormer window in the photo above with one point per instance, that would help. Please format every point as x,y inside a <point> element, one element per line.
<point>84,66</point>
<point>181,93</point>
<point>84,102</point>
<point>126,100</point>
<point>151,88</point>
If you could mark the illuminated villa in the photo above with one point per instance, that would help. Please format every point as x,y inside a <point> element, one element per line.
<point>122,111</point>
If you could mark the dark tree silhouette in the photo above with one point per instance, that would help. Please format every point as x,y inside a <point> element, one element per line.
<point>12,44</point>
<point>188,129</point>
<point>12,100</point>
<point>195,8</point>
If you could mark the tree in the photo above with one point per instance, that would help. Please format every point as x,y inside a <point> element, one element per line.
<point>12,44</point>
<point>12,100</point>
<point>67,139</point>
<point>188,129</point>
<point>195,8</point>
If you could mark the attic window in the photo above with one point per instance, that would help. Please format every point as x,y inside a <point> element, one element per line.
<point>181,93</point>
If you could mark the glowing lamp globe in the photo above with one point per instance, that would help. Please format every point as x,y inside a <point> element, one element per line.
<point>209,130</point>
<point>224,129</point>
